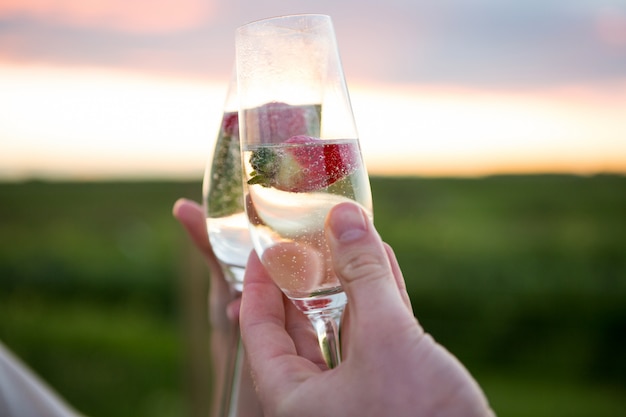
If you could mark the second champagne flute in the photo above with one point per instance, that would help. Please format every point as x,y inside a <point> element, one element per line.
<point>227,227</point>
<point>301,156</point>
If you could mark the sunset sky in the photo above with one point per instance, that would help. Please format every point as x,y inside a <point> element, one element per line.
<point>95,89</point>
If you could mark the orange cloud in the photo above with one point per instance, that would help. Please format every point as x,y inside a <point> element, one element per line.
<point>130,16</point>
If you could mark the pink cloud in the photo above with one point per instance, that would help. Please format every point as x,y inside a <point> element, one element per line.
<point>611,26</point>
<point>130,16</point>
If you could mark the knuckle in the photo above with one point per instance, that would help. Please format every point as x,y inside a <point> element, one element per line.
<point>361,266</point>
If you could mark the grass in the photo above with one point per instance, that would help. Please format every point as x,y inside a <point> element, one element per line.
<point>519,395</point>
<point>103,359</point>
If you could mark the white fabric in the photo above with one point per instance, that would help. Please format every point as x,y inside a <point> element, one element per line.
<point>23,394</point>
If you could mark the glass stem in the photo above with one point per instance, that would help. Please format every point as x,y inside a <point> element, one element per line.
<point>228,406</point>
<point>230,380</point>
<point>327,326</point>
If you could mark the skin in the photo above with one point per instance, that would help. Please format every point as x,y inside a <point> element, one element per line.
<point>390,365</point>
<point>223,310</point>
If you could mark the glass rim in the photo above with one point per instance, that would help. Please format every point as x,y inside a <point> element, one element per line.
<point>284,17</point>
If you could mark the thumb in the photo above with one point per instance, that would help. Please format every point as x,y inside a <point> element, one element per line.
<point>361,262</point>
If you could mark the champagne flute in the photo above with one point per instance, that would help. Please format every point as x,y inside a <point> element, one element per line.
<point>222,192</point>
<point>227,227</point>
<point>301,156</point>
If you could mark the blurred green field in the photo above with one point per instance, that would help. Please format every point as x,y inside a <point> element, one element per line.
<point>522,277</point>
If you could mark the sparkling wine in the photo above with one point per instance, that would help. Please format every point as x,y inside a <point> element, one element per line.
<point>287,206</point>
<point>230,240</point>
<point>227,224</point>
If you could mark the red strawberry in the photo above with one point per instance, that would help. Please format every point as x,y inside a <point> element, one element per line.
<point>275,122</point>
<point>230,124</point>
<point>303,164</point>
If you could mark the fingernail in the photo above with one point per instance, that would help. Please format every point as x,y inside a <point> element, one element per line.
<point>347,222</point>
